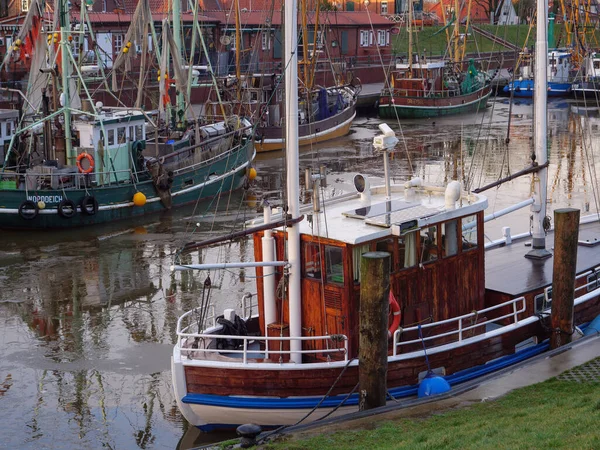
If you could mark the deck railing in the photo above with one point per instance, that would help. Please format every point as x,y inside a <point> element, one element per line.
<point>460,323</point>
<point>206,346</point>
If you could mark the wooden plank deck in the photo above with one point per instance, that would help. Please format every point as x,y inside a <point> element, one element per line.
<point>508,271</point>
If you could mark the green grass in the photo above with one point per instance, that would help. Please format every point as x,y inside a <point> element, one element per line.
<point>550,415</point>
<point>435,44</point>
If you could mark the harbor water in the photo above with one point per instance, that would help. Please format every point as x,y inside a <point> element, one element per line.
<point>88,317</point>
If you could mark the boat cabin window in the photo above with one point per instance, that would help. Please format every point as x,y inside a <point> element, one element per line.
<point>407,250</point>
<point>388,245</point>
<point>111,137</point>
<point>334,264</point>
<point>311,266</point>
<point>121,135</point>
<point>469,232</point>
<point>450,238</point>
<point>429,240</point>
<point>357,253</point>
<point>139,134</point>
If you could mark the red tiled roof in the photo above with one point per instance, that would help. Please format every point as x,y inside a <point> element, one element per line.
<point>338,18</point>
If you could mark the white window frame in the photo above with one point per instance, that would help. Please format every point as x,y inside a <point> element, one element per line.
<point>381,38</point>
<point>384,7</point>
<point>266,40</point>
<point>364,38</point>
<point>118,40</point>
<point>24,5</point>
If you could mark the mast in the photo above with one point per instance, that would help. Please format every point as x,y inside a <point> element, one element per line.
<point>410,40</point>
<point>540,96</point>
<point>238,44</point>
<point>64,36</point>
<point>180,103</point>
<point>293,176</point>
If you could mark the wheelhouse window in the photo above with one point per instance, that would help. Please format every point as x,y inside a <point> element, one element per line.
<point>592,280</point>
<point>311,263</point>
<point>429,240</point>
<point>543,302</point>
<point>469,232</point>
<point>388,245</point>
<point>407,250</point>
<point>450,238</point>
<point>334,264</point>
<point>111,137</point>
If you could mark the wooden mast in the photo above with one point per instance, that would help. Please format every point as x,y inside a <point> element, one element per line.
<point>464,46</point>
<point>410,40</point>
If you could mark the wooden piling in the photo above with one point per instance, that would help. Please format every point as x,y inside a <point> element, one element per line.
<point>566,235</point>
<point>373,339</point>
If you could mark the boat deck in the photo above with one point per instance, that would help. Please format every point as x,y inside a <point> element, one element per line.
<point>508,271</point>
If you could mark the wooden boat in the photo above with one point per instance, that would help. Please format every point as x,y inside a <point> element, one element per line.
<point>293,355</point>
<point>426,89</point>
<point>101,164</point>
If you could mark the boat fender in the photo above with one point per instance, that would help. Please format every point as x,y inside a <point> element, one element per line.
<point>395,313</point>
<point>90,159</point>
<point>593,327</point>
<point>432,384</point>
<point>28,210</point>
<point>67,208</point>
<point>89,205</point>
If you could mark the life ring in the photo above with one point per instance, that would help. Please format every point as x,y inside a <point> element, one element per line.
<point>28,210</point>
<point>90,159</point>
<point>396,316</point>
<point>67,208</point>
<point>89,205</point>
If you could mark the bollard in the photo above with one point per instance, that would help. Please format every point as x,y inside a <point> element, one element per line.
<point>566,235</point>
<point>248,433</point>
<point>373,339</point>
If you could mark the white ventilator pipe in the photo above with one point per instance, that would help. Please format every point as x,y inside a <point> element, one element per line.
<point>268,255</point>
<point>293,177</point>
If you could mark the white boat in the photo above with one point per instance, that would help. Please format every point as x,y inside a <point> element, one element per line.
<point>292,356</point>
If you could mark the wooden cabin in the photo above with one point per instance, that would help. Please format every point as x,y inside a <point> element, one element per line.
<point>437,264</point>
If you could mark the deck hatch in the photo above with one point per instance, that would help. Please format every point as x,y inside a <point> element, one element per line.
<point>379,209</point>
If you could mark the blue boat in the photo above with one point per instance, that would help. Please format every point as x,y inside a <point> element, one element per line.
<point>559,80</point>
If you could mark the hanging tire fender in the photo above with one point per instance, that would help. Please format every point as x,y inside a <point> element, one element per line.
<point>67,208</point>
<point>28,210</point>
<point>89,205</point>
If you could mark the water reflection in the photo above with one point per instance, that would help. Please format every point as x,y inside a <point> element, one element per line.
<point>88,317</point>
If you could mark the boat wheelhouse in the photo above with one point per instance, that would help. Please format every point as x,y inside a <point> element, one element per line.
<point>587,88</point>
<point>558,74</point>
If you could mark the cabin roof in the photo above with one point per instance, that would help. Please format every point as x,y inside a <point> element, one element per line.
<point>421,65</point>
<point>416,207</point>
<point>8,114</point>
<point>508,271</point>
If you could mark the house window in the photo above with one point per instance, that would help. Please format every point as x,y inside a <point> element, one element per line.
<point>118,43</point>
<point>334,264</point>
<point>24,5</point>
<point>381,38</point>
<point>364,38</point>
<point>384,7</point>
<point>266,41</point>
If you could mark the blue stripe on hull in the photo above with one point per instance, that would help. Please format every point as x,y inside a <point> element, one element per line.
<point>333,401</point>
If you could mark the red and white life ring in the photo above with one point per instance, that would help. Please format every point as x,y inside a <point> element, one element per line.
<point>395,315</point>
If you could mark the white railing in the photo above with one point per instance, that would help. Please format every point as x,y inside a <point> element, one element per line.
<point>461,328</point>
<point>209,339</point>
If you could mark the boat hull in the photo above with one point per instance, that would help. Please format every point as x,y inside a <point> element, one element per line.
<point>587,91</point>
<point>404,107</point>
<point>222,174</point>
<point>309,134</point>
<point>525,88</point>
<point>282,394</point>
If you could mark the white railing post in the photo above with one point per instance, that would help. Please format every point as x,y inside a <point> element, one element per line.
<point>245,358</point>
<point>460,330</point>
<point>515,311</point>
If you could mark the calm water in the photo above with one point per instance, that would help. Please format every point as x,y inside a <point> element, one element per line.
<point>88,318</point>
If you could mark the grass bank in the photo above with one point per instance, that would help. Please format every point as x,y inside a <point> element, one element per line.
<point>433,40</point>
<point>554,414</point>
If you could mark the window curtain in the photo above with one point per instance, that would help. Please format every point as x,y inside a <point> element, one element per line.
<point>357,252</point>
<point>410,252</point>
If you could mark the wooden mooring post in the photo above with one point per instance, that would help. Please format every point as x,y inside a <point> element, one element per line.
<point>566,235</point>
<point>373,339</point>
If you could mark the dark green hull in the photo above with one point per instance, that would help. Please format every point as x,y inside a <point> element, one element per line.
<point>422,107</point>
<point>217,176</point>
